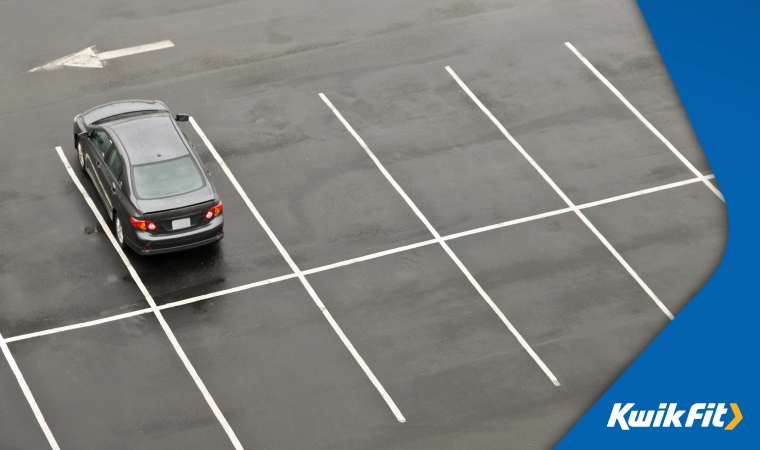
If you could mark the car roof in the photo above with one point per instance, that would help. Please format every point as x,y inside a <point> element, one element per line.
<point>146,137</point>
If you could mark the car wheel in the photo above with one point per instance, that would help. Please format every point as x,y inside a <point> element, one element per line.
<point>80,156</point>
<point>118,231</point>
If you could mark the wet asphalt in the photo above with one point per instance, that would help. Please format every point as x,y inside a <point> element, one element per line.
<point>250,74</point>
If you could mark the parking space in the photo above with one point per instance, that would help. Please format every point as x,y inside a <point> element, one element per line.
<point>630,61</point>
<point>80,280</point>
<point>245,255</point>
<point>556,280</point>
<point>89,280</point>
<point>454,164</point>
<point>678,234</point>
<point>56,269</point>
<point>18,426</point>
<point>320,194</point>
<point>279,372</point>
<point>411,322</point>
<point>577,306</point>
<point>117,385</point>
<point>439,349</point>
<point>580,133</point>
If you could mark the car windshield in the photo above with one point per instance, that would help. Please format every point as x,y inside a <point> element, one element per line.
<point>167,178</point>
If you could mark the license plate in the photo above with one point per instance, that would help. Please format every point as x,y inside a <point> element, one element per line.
<point>180,223</point>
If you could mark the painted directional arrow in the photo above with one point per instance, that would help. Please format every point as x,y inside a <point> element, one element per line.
<point>89,58</point>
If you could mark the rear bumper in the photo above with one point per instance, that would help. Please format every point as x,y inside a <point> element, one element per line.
<point>145,243</point>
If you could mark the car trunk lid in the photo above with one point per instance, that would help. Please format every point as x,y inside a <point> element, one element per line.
<point>180,212</point>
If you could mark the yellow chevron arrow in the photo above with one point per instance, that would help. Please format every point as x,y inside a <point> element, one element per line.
<point>737,417</point>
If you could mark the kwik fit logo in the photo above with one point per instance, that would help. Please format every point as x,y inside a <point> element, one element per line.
<point>669,416</point>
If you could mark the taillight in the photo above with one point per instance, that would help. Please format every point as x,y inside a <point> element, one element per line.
<point>213,212</point>
<point>143,224</point>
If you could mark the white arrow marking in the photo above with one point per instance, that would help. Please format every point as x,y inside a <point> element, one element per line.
<point>89,58</point>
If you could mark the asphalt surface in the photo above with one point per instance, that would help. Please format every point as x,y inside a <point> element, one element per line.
<point>250,74</point>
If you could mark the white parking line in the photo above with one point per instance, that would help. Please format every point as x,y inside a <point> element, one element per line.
<point>642,192</point>
<point>347,262</point>
<point>562,194</point>
<point>643,120</point>
<point>169,333</point>
<point>443,243</point>
<point>507,223</point>
<point>368,257</point>
<point>297,272</point>
<point>227,291</point>
<point>75,326</point>
<point>28,395</point>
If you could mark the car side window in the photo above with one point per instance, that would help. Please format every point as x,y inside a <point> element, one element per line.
<point>115,164</point>
<point>102,142</point>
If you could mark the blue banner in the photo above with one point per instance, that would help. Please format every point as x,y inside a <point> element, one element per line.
<point>695,386</point>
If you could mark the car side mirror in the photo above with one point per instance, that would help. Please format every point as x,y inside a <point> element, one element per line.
<point>84,135</point>
<point>182,118</point>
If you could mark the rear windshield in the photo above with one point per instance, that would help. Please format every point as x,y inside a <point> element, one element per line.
<point>167,178</point>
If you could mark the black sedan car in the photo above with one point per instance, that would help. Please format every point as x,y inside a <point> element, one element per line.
<point>154,187</point>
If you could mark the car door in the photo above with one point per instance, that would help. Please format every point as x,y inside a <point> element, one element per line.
<point>100,144</point>
<point>111,173</point>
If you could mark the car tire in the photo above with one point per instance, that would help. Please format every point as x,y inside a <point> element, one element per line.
<point>80,157</point>
<point>118,231</point>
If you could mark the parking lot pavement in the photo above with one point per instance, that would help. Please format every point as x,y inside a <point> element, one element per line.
<point>452,366</point>
<point>580,310</point>
<point>630,61</point>
<point>555,278</point>
<point>56,269</point>
<point>250,74</point>
<point>678,234</point>
<point>279,372</point>
<point>574,127</point>
<point>71,281</point>
<point>318,192</point>
<point>448,157</point>
<point>117,385</point>
<point>18,426</point>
